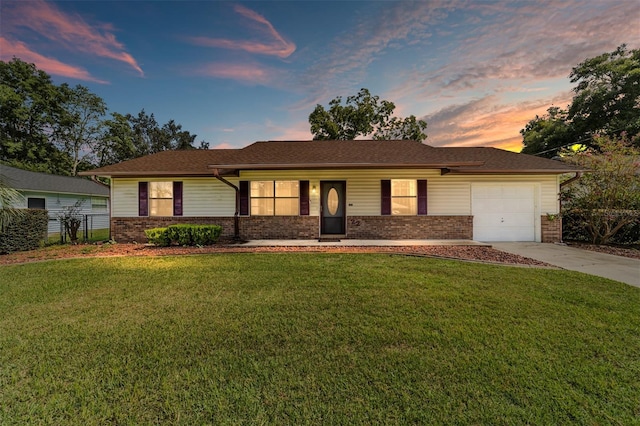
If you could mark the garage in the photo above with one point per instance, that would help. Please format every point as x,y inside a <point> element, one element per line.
<point>504,212</point>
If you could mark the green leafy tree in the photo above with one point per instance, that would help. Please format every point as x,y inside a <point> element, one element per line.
<point>116,143</point>
<point>78,132</point>
<point>607,97</point>
<point>30,108</point>
<point>127,136</point>
<point>606,102</point>
<point>363,115</point>
<point>545,135</point>
<point>607,197</point>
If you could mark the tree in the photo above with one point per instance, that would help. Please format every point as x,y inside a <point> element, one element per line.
<point>30,108</point>
<point>116,142</point>
<point>606,102</point>
<point>607,197</point>
<point>80,126</point>
<point>545,135</point>
<point>127,136</point>
<point>363,115</point>
<point>607,97</point>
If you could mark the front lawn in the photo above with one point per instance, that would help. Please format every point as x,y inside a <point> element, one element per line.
<point>314,339</point>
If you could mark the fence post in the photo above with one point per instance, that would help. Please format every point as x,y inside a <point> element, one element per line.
<point>85,218</point>
<point>62,231</point>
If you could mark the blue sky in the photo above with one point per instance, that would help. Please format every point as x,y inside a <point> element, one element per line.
<point>237,72</point>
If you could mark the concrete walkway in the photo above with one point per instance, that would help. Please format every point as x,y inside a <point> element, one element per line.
<point>361,243</point>
<point>617,268</point>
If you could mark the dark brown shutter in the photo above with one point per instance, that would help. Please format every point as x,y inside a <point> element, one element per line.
<point>143,198</point>
<point>244,198</point>
<point>385,197</point>
<point>304,198</point>
<point>177,198</point>
<point>422,197</point>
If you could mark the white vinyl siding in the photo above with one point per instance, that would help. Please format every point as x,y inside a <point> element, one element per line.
<point>56,203</point>
<point>200,196</point>
<point>448,194</point>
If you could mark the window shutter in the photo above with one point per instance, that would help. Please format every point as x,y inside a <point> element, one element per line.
<point>304,198</point>
<point>244,198</point>
<point>143,198</point>
<point>422,197</point>
<point>385,197</point>
<point>177,198</point>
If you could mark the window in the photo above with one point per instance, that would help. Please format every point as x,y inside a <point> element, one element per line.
<point>160,198</point>
<point>403,197</point>
<point>36,203</point>
<point>98,203</point>
<point>279,198</point>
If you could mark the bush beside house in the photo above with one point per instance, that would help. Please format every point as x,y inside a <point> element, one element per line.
<point>25,232</point>
<point>184,235</point>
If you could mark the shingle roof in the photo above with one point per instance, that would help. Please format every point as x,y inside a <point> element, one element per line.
<point>333,154</point>
<point>43,182</point>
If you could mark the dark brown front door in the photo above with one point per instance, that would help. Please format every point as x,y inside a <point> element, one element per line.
<point>332,204</point>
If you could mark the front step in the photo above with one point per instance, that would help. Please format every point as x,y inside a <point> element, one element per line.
<point>330,238</point>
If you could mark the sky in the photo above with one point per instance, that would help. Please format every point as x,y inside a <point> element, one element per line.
<point>238,72</point>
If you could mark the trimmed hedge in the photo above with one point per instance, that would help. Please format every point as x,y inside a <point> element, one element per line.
<point>26,232</point>
<point>184,235</point>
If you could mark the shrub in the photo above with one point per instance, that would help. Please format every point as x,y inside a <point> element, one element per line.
<point>25,232</point>
<point>180,234</point>
<point>184,235</point>
<point>158,236</point>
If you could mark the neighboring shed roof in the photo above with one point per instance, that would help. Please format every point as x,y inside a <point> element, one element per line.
<point>23,180</point>
<point>274,155</point>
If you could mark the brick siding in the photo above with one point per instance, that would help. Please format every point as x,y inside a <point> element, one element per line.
<point>130,229</point>
<point>410,227</point>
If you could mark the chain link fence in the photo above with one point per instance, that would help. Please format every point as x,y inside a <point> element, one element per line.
<point>93,227</point>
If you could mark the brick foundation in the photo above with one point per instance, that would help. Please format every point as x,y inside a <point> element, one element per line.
<point>278,227</point>
<point>130,229</point>
<point>410,227</point>
<point>551,229</point>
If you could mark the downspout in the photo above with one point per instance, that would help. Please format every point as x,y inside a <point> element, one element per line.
<point>236,221</point>
<point>571,180</point>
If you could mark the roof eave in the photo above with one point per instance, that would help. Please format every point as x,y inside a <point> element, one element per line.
<point>291,166</point>
<point>163,173</point>
<point>510,171</point>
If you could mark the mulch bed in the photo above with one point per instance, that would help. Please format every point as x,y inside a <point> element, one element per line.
<point>470,253</point>
<point>631,252</point>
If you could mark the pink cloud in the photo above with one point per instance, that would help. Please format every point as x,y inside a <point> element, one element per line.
<point>10,49</point>
<point>224,145</point>
<point>275,44</point>
<point>299,131</point>
<point>247,73</point>
<point>70,31</point>
<point>487,122</point>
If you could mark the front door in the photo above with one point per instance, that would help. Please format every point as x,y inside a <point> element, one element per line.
<point>332,207</point>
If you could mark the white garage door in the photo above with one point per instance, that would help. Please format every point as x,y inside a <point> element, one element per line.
<point>503,212</point>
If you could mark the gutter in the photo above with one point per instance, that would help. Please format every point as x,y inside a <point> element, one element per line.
<point>236,221</point>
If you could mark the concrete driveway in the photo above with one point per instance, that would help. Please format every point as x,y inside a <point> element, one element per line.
<point>603,265</point>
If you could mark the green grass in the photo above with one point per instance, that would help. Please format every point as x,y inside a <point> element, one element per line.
<point>314,339</point>
<point>94,235</point>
